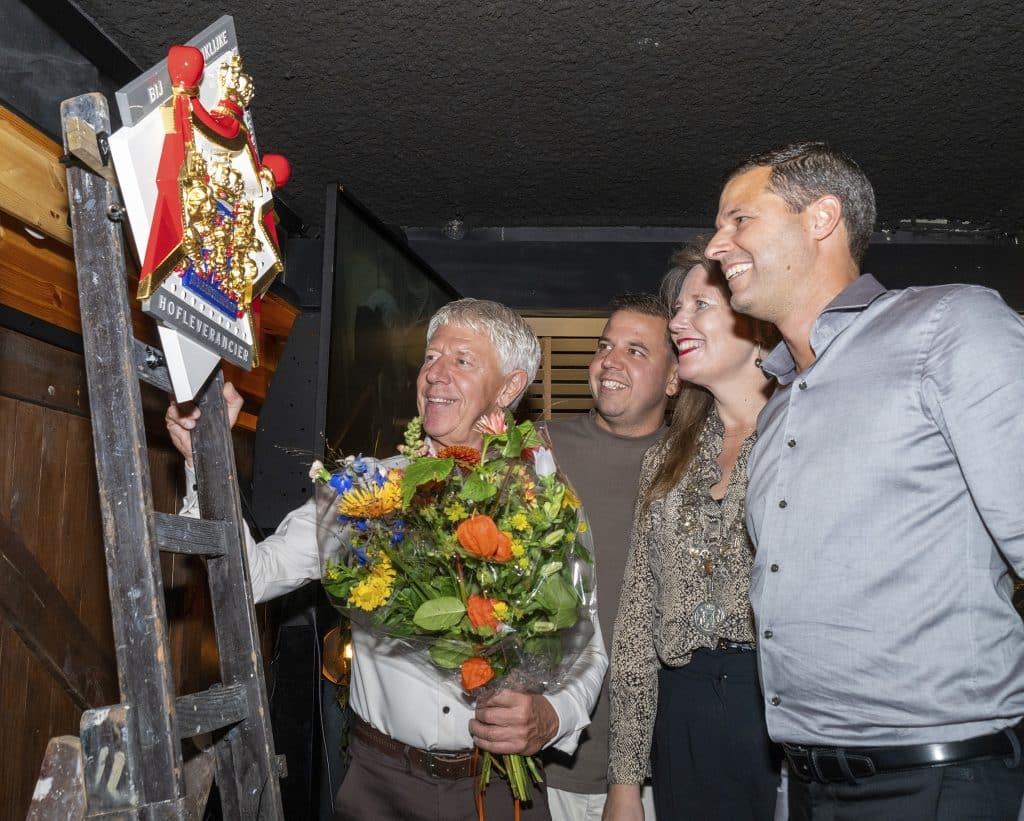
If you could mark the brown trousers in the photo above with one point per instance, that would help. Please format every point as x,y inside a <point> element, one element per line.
<point>383,788</point>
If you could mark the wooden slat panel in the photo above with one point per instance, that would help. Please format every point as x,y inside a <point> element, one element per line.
<point>32,185</point>
<point>553,326</point>
<point>567,374</point>
<point>561,389</point>
<point>585,345</point>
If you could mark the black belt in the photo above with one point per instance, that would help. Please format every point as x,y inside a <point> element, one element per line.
<point>828,765</point>
<point>730,646</point>
<point>443,765</point>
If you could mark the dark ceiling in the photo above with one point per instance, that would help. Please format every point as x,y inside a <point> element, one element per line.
<point>602,113</point>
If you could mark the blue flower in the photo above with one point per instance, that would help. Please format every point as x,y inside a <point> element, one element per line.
<point>380,477</point>
<point>341,482</point>
<point>361,556</point>
<point>359,524</point>
<point>359,465</point>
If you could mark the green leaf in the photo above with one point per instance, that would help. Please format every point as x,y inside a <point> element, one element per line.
<point>439,614</point>
<point>477,489</point>
<point>428,469</point>
<point>553,538</point>
<point>514,445</point>
<point>555,594</point>
<point>450,653</point>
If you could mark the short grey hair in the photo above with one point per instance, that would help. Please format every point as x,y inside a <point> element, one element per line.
<point>512,338</point>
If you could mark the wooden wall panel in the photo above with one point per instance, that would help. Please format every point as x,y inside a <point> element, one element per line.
<point>48,494</point>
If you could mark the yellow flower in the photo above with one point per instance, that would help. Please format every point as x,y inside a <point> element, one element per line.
<point>375,589</point>
<point>517,549</point>
<point>570,500</point>
<point>360,503</point>
<point>455,512</point>
<point>500,611</point>
<point>583,527</point>
<point>519,522</point>
<point>524,563</point>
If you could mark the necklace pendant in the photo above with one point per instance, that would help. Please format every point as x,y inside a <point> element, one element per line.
<point>709,567</point>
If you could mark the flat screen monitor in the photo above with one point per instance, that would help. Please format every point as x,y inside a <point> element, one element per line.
<point>378,297</point>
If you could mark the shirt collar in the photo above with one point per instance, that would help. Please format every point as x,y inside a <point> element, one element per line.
<point>836,318</point>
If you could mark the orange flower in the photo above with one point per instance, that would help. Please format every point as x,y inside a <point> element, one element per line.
<point>475,673</point>
<point>480,610</point>
<point>480,536</point>
<point>504,550</point>
<point>464,457</point>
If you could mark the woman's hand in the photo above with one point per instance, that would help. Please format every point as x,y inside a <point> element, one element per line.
<point>623,803</point>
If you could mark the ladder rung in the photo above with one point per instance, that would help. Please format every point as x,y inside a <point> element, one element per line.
<point>210,710</point>
<point>151,367</point>
<point>198,537</point>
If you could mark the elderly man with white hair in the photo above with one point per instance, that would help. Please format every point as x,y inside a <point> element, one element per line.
<point>414,728</point>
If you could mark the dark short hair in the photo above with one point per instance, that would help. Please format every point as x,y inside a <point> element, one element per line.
<point>802,172</point>
<point>648,305</point>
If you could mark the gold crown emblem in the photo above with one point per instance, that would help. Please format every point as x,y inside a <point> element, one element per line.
<point>235,84</point>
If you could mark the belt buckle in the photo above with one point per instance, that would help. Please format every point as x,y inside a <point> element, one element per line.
<point>800,762</point>
<point>436,760</point>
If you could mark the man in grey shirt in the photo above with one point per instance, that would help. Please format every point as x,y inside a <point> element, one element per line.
<point>886,503</point>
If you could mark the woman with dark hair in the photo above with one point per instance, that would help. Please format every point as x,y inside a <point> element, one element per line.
<point>685,702</point>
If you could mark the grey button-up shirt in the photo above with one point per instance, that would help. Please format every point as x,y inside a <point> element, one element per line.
<point>886,498</point>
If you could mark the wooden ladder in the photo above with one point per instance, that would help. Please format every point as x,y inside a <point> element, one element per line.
<point>131,753</point>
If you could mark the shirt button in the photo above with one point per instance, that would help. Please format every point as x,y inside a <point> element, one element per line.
<point>782,503</point>
<point>802,386</point>
<point>791,443</point>
<point>774,568</point>
<point>768,634</point>
<point>776,701</point>
<point>446,710</point>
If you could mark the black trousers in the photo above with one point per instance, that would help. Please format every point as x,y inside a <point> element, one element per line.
<point>987,790</point>
<point>711,757</point>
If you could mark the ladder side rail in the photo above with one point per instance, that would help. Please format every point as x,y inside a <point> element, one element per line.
<point>153,760</point>
<point>251,752</point>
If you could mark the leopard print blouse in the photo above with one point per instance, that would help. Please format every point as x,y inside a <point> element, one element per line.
<point>673,545</point>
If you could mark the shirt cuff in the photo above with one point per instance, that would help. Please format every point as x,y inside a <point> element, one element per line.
<point>190,504</point>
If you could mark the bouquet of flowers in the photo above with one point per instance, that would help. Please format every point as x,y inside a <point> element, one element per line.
<point>469,557</point>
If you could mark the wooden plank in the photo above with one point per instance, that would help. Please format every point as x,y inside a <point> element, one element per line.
<point>35,609</point>
<point>250,758</point>
<point>573,345</point>
<point>14,661</point>
<point>60,789</point>
<point>211,710</point>
<point>545,369</point>
<point>566,374</point>
<point>182,534</point>
<point>560,389</point>
<point>567,325</point>
<point>38,278</point>
<point>153,757</point>
<point>571,360</point>
<point>43,374</point>
<point>32,185</point>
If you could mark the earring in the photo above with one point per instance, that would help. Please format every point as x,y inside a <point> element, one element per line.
<point>758,361</point>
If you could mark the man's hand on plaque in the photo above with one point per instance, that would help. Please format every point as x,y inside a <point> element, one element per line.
<point>181,419</point>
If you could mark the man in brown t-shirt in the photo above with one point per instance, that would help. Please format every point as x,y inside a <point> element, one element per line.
<point>632,376</point>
